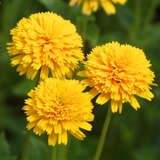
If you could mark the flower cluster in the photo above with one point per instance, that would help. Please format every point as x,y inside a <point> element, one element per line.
<point>90,6</point>
<point>48,43</point>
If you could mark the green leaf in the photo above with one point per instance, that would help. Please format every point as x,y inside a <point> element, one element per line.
<point>92,33</point>
<point>38,150</point>
<point>5,149</point>
<point>12,123</point>
<point>78,150</point>
<point>13,10</point>
<point>4,146</point>
<point>58,6</point>
<point>23,87</point>
<point>147,153</point>
<point>8,158</point>
<point>150,36</point>
<point>125,17</point>
<point>113,36</point>
<point>69,12</point>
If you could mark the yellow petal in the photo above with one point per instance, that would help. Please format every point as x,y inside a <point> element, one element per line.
<point>102,99</point>
<point>92,93</point>
<point>64,138</point>
<point>32,118</point>
<point>120,1</point>
<point>31,73</point>
<point>58,128</point>
<point>31,125</point>
<point>52,139</point>
<point>78,134</point>
<point>85,126</point>
<point>134,103</point>
<point>59,138</point>
<point>38,130</point>
<point>108,7</point>
<point>16,60</point>
<point>120,107</point>
<point>44,73</point>
<point>114,106</point>
<point>86,8</point>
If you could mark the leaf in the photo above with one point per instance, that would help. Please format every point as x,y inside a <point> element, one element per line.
<point>151,36</point>
<point>5,149</point>
<point>58,6</point>
<point>92,33</point>
<point>85,149</point>
<point>38,150</point>
<point>14,10</point>
<point>113,36</point>
<point>125,17</point>
<point>4,146</point>
<point>8,158</point>
<point>147,153</point>
<point>72,13</point>
<point>23,87</point>
<point>12,123</point>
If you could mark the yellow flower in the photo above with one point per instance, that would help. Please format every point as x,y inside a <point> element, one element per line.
<point>90,6</point>
<point>118,73</point>
<point>59,106</point>
<point>46,42</point>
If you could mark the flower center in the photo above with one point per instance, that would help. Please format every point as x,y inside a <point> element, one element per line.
<point>115,74</point>
<point>59,110</point>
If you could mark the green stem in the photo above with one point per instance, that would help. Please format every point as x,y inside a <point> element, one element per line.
<point>54,153</point>
<point>26,146</point>
<point>103,135</point>
<point>63,149</point>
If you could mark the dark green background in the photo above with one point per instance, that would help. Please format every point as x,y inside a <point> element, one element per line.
<point>133,135</point>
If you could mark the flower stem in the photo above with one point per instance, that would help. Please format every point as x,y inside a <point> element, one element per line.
<point>103,135</point>
<point>54,153</point>
<point>26,146</point>
<point>64,150</point>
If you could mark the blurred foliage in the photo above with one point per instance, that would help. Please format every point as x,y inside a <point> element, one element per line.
<point>132,135</point>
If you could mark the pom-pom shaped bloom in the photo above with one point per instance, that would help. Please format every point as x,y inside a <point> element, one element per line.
<point>59,106</point>
<point>118,73</point>
<point>90,6</point>
<point>48,42</point>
